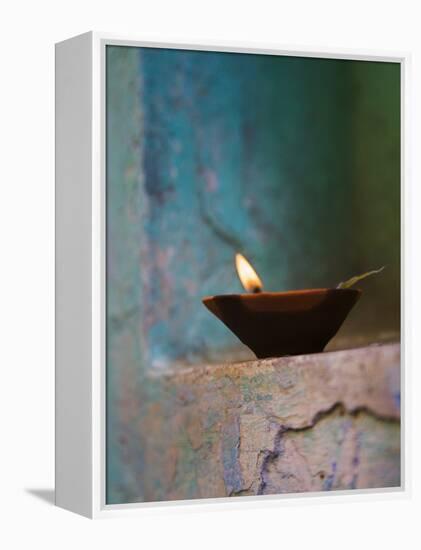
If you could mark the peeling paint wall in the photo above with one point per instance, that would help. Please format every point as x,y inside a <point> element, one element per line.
<point>320,422</point>
<point>293,161</point>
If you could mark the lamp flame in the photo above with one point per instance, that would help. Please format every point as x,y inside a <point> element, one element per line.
<point>248,277</point>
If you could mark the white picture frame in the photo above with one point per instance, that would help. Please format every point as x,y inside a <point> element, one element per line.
<point>80,272</point>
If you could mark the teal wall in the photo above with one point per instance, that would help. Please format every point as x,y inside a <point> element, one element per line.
<point>295,162</point>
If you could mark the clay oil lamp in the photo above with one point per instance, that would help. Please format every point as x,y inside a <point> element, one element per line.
<point>295,322</point>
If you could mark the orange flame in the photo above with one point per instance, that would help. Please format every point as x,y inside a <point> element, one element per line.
<point>248,277</point>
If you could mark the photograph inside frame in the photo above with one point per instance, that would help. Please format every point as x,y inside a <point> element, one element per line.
<point>252,274</point>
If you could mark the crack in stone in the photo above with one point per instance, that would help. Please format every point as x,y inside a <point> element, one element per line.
<point>270,455</point>
<point>339,406</point>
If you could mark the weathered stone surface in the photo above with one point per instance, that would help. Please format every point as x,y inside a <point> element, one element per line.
<point>309,423</point>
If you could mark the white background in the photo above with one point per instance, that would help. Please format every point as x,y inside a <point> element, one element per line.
<point>28,32</point>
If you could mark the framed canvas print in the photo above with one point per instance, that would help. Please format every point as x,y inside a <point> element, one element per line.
<point>229,259</point>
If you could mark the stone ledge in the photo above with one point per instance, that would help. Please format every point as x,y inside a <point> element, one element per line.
<point>305,423</point>
<point>367,377</point>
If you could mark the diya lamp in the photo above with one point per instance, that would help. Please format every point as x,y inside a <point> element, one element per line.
<point>295,322</point>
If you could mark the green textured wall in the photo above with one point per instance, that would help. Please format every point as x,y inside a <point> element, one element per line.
<point>295,162</point>
<point>376,182</point>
